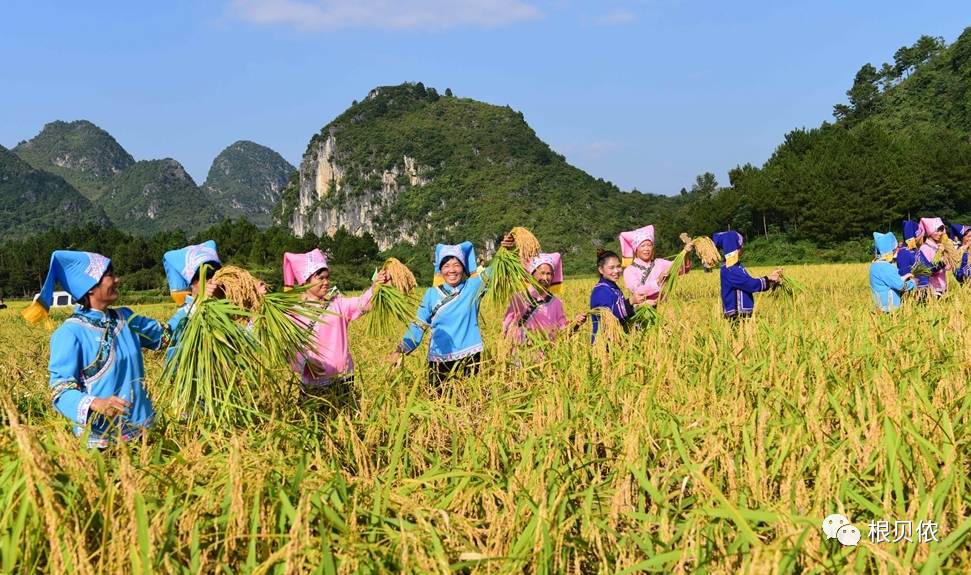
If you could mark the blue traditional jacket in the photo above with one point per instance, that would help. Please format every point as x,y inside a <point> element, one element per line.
<point>905,261</point>
<point>607,294</point>
<point>964,270</point>
<point>738,289</point>
<point>452,316</point>
<point>98,355</point>
<point>887,285</point>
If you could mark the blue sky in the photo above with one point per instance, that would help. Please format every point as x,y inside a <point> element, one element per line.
<point>644,93</point>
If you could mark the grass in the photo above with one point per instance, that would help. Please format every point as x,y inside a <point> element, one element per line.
<point>696,448</point>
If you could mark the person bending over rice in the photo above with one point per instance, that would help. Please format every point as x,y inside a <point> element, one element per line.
<point>886,283</point>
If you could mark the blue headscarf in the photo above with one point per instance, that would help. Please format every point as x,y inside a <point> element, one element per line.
<point>76,272</point>
<point>181,265</point>
<point>884,245</point>
<point>910,233</point>
<point>728,242</point>
<point>463,252</point>
<point>958,231</point>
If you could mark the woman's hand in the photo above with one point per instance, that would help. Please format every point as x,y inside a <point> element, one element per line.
<point>580,319</point>
<point>110,406</point>
<point>211,288</point>
<point>638,298</point>
<point>776,276</point>
<point>383,278</point>
<point>508,242</point>
<point>395,358</point>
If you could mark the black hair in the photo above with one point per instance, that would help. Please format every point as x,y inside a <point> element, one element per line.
<point>446,259</point>
<point>604,255</point>
<point>213,267</point>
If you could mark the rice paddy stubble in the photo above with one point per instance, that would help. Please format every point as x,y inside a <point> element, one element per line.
<point>698,447</point>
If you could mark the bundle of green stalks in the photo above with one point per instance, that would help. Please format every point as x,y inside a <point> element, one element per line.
<point>392,304</point>
<point>282,327</point>
<point>789,287</point>
<point>919,270</point>
<point>508,276</point>
<point>214,372</point>
<point>645,317</point>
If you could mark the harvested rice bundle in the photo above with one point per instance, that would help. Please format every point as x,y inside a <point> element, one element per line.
<point>240,287</point>
<point>789,287</point>
<point>279,335</point>
<point>948,253</point>
<point>214,371</point>
<point>672,280</point>
<point>526,243</point>
<point>609,329</point>
<point>645,316</point>
<point>919,270</point>
<point>706,250</point>
<point>392,304</point>
<point>508,271</point>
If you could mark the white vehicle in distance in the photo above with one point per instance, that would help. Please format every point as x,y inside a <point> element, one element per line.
<point>61,299</point>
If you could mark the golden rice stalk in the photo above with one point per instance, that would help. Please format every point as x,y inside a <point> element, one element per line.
<point>392,305</point>
<point>240,287</point>
<point>609,329</point>
<point>948,253</point>
<point>526,243</point>
<point>401,277</point>
<point>707,252</point>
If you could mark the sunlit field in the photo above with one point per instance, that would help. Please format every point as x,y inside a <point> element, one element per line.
<point>692,447</point>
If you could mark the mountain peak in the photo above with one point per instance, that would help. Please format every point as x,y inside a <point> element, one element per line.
<point>246,179</point>
<point>79,151</point>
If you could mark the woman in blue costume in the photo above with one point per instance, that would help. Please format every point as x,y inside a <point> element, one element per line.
<point>962,237</point>
<point>886,283</point>
<point>607,294</point>
<point>738,288</point>
<point>450,310</point>
<point>182,269</point>
<point>96,369</point>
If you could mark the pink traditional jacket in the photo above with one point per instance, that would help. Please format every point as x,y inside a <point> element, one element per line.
<point>329,355</point>
<point>536,313</point>
<point>647,277</point>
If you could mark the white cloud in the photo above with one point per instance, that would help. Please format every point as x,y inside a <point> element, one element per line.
<point>387,14</point>
<point>616,17</point>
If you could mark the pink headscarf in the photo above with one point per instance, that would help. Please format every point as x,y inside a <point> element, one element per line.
<point>554,261</point>
<point>629,241</point>
<point>297,268</point>
<point>928,225</point>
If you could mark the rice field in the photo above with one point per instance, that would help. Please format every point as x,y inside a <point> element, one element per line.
<point>688,448</point>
